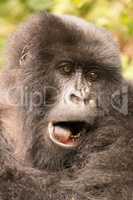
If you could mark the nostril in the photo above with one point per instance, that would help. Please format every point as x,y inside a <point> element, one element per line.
<point>75,99</point>
<point>79,99</point>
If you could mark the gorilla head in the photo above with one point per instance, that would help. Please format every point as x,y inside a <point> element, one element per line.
<point>70,68</point>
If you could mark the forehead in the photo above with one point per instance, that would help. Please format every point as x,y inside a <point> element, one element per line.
<point>68,30</point>
<point>74,38</point>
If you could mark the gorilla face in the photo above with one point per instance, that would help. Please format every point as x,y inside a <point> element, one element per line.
<point>78,67</point>
<point>79,101</point>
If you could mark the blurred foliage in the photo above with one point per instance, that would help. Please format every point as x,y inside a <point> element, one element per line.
<point>115,15</point>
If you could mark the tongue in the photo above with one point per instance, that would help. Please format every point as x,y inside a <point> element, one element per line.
<point>63,135</point>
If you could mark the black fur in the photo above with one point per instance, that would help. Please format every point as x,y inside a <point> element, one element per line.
<point>31,167</point>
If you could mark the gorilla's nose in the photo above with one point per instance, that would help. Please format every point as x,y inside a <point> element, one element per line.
<point>79,97</point>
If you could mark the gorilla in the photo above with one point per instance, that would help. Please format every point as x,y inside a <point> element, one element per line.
<point>66,114</point>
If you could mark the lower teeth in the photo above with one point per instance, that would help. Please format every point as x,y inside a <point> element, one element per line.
<point>75,136</point>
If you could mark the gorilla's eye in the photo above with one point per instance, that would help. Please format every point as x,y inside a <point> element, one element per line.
<point>66,68</point>
<point>92,75</point>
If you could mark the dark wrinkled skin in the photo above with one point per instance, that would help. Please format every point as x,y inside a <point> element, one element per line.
<point>31,167</point>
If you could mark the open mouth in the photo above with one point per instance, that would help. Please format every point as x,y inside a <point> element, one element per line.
<point>67,133</point>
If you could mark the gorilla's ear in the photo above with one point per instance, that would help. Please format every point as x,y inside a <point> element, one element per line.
<point>24,55</point>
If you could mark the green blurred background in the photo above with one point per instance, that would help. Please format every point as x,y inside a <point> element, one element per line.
<point>115,15</point>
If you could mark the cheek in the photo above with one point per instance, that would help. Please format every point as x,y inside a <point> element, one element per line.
<point>104,97</point>
<point>51,95</point>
